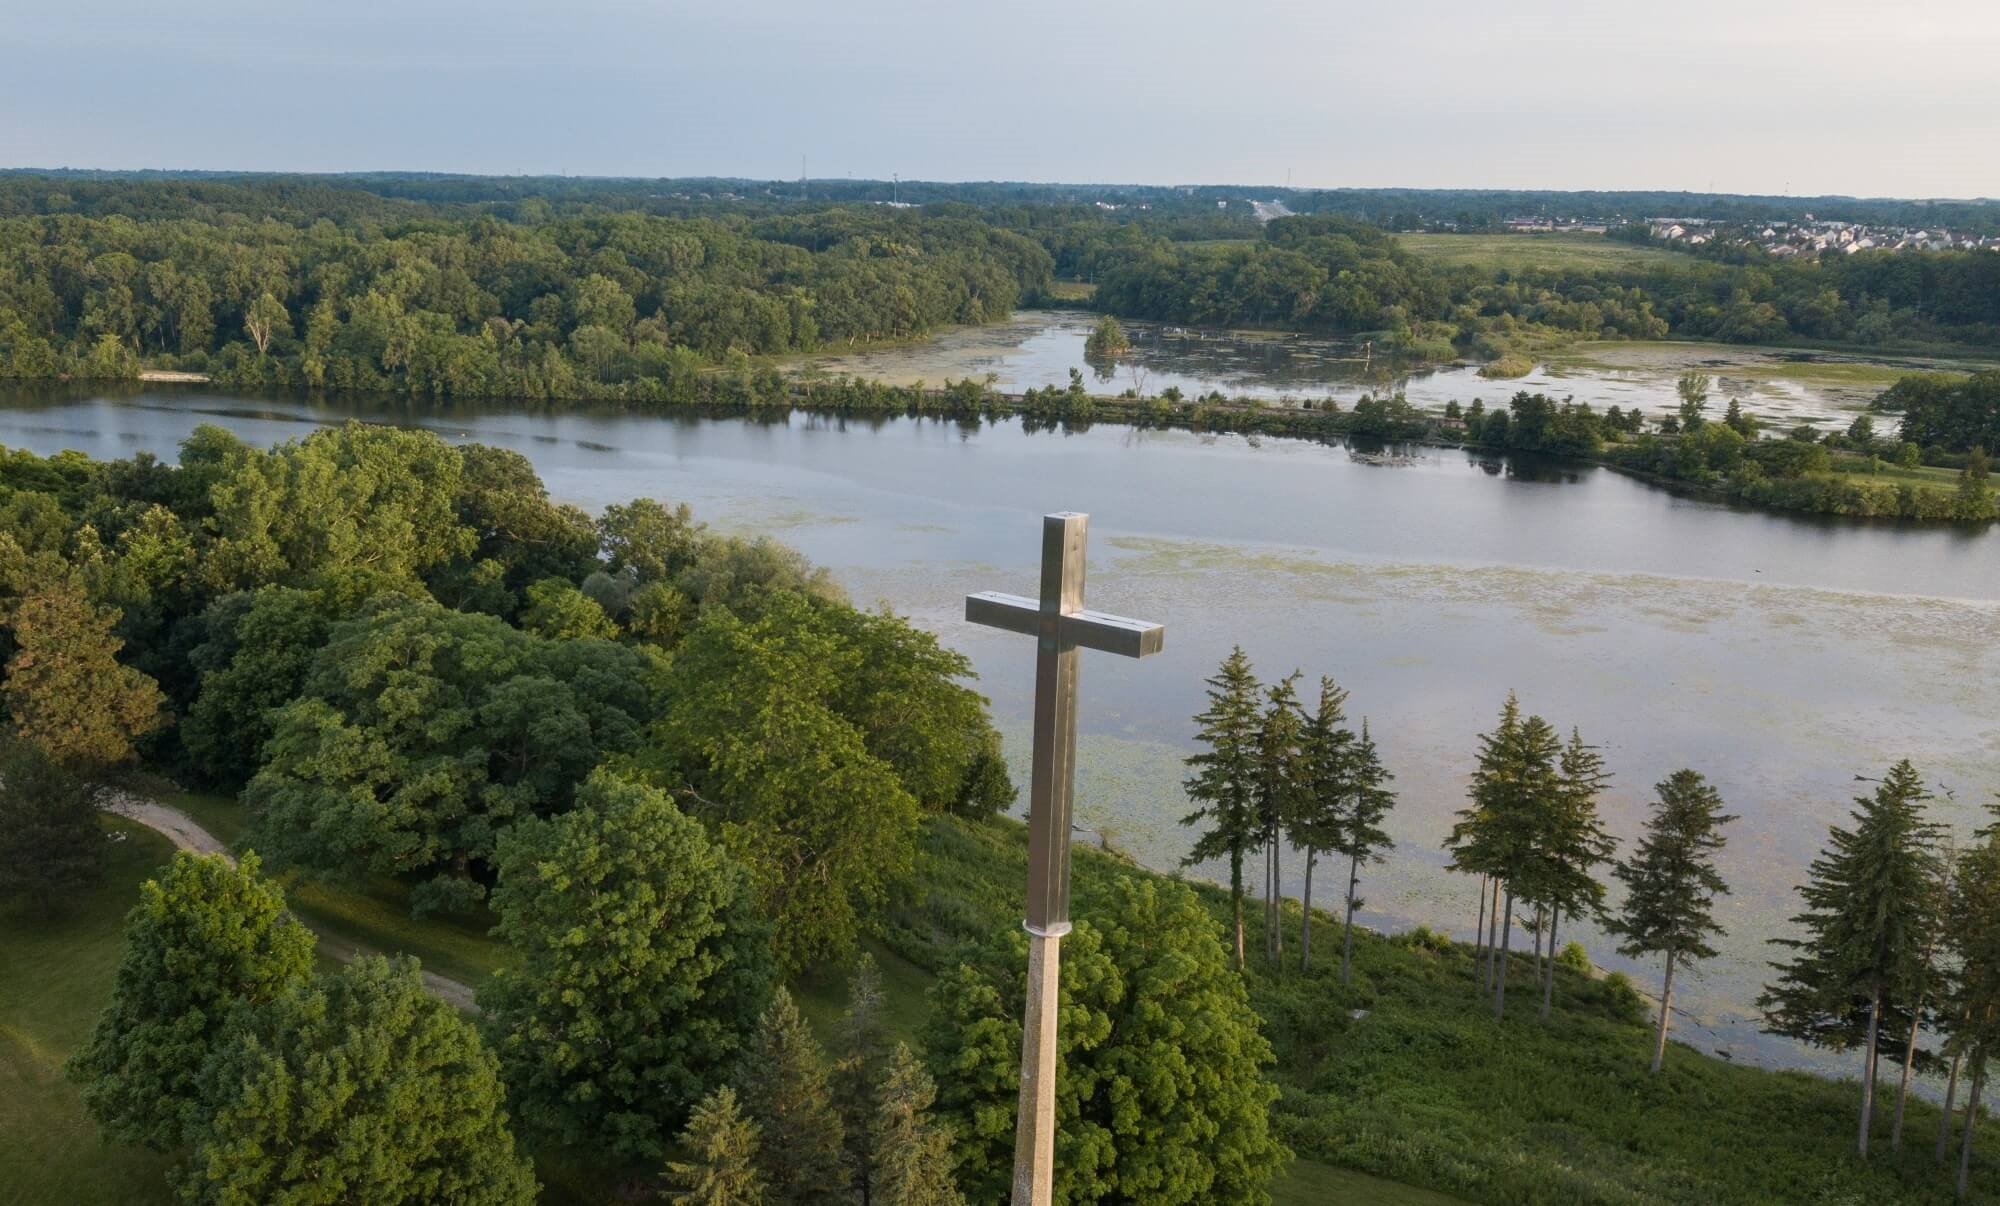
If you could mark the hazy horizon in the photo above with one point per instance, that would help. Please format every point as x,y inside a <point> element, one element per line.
<point>1795,98</point>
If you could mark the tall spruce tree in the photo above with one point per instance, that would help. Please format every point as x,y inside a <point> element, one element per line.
<point>1671,884</point>
<point>1225,777</point>
<point>786,1087</point>
<point>723,1169</point>
<point>1516,789</point>
<point>1474,841</point>
<point>1361,836</point>
<point>1972,1009</point>
<point>1571,844</point>
<point>1281,785</point>
<point>1328,750</point>
<point>913,1150</point>
<point>861,1053</point>
<point>1865,921</point>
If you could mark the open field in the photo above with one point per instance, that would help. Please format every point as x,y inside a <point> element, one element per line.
<point>1519,252</point>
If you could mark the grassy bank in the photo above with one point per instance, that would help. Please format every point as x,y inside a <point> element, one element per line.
<point>1426,1089</point>
<point>1528,252</point>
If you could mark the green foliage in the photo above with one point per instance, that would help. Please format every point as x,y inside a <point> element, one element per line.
<point>862,1055</point>
<point>421,734</point>
<point>1671,881</point>
<point>786,1088</point>
<point>556,610</point>
<point>66,692</point>
<point>753,723</point>
<point>1865,922</point>
<point>1162,1092</point>
<point>53,851</point>
<point>205,937</point>
<point>1940,411</point>
<point>914,1158</point>
<point>357,1087</point>
<point>1223,784</point>
<point>259,649</point>
<point>642,972</point>
<point>1107,340</point>
<point>726,1145</point>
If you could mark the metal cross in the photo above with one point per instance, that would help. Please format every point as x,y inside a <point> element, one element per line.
<point>1061,627</point>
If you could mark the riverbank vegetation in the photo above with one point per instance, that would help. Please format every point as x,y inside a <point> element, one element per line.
<point>621,742</point>
<point>569,294</point>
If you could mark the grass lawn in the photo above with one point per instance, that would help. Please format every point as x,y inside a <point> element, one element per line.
<point>54,978</point>
<point>1517,252</point>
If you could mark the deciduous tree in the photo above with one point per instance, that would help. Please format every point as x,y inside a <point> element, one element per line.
<point>204,937</point>
<point>66,691</point>
<point>357,1087</point>
<point>52,850</point>
<point>642,969</point>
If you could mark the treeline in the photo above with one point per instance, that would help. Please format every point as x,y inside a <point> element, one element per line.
<point>1939,412</point>
<point>1331,274</point>
<point>315,288</point>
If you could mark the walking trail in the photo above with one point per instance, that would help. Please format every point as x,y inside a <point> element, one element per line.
<point>187,834</point>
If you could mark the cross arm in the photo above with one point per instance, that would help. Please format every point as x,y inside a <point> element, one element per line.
<point>1088,629</point>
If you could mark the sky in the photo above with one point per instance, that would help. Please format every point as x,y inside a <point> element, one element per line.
<point>1756,96</point>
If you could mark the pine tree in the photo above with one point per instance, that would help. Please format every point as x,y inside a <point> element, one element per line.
<point>1571,843</point>
<point>1224,781</point>
<point>205,937</point>
<point>53,849</point>
<point>1328,751</point>
<point>914,1157</point>
<point>862,1055</point>
<point>1671,884</point>
<point>786,1086</point>
<point>1865,922</point>
<point>1515,790</point>
<point>723,1170</point>
<point>1281,784</point>
<point>1362,838</point>
<point>1973,1006</point>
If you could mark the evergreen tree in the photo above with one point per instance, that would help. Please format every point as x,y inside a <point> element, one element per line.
<point>1281,786</point>
<point>358,1087</point>
<point>1972,1007</point>
<point>861,1057</point>
<point>1516,790</point>
<point>1361,836</point>
<point>786,1086</point>
<point>66,691</point>
<point>1865,924</point>
<point>642,969</point>
<point>1328,752</point>
<point>1162,1095</point>
<point>53,848</point>
<point>913,1151</point>
<point>1570,844</point>
<point>1225,778</point>
<point>1671,884</point>
<point>204,937</point>
<point>725,1143</point>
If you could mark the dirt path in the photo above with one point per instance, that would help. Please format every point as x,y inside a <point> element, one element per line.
<point>185,834</point>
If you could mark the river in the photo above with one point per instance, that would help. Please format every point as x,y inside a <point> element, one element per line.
<point>1779,656</point>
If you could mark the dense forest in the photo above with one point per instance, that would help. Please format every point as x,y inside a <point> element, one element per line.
<point>446,286</point>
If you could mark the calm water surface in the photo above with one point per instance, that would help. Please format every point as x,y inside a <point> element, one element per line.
<point>1781,657</point>
<point>1036,348</point>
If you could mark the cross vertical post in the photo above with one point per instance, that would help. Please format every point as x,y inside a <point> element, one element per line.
<point>1061,627</point>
